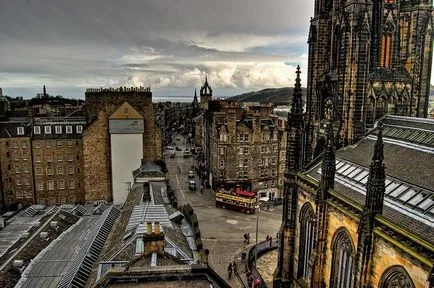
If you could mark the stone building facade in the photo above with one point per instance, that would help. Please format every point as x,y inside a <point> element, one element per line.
<point>366,59</point>
<point>244,146</point>
<point>100,104</point>
<point>57,157</point>
<point>360,216</point>
<point>16,163</point>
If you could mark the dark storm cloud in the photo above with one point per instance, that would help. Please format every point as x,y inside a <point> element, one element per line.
<point>162,43</point>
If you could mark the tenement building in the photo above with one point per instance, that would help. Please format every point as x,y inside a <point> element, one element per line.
<point>361,216</point>
<point>57,157</point>
<point>243,145</point>
<point>366,59</point>
<point>114,114</point>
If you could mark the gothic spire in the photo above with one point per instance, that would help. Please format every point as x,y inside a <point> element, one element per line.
<point>45,91</point>
<point>328,166</point>
<point>376,181</point>
<point>296,115</point>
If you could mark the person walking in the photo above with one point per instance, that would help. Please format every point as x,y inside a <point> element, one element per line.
<point>234,267</point>
<point>229,270</point>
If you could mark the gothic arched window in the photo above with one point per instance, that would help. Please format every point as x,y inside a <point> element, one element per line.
<point>396,277</point>
<point>343,260</point>
<point>307,236</point>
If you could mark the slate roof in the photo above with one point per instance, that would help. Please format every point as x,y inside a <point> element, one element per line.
<point>409,161</point>
<point>8,129</point>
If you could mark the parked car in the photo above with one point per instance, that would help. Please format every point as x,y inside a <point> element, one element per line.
<point>172,154</point>
<point>178,148</point>
<point>192,185</point>
<point>190,174</point>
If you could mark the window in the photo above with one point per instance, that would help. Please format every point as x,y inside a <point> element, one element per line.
<point>240,137</point>
<point>245,163</point>
<point>59,143</point>
<point>16,157</point>
<point>79,128</point>
<point>37,129</point>
<point>59,157</point>
<point>70,157</point>
<point>39,185</point>
<point>222,174</point>
<point>396,277</point>
<point>221,151</point>
<point>24,155</point>
<point>273,160</point>
<point>242,174</point>
<point>17,169</point>
<point>38,170</point>
<point>25,169</point>
<point>274,148</point>
<point>26,181</point>
<point>240,163</point>
<point>245,150</point>
<point>60,170</point>
<point>37,144</point>
<point>24,144</point>
<point>49,170</point>
<point>38,158</point>
<point>48,158</point>
<point>47,129</point>
<point>342,260</point>
<point>70,170</point>
<point>222,164</point>
<point>246,137</point>
<point>71,184</point>
<point>273,172</point>
<point>307,235</point>
<point>20,130</point>
<point>15,144</point>
<point>58,129</point>
<point>263,149</point>
<point>47,143</point>
<point>223,137</point>
<point>275,135</point>
<point>61,184</point>
<point>50,184</point>
<point>18,181</point>
<point>69,129</point>
<point>265,161</point>
<point>69,143</point>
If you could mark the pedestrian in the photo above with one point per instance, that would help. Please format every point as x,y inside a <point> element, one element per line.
<point>245,238</point>
<point>229,270</point>
<point>234,267</point>
<point>248,238</point>
<point>201,189</point>
<point>267,238</point>
<point>250,279</point>
<point>268,207</point>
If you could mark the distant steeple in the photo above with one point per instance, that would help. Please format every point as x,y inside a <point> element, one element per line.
<point>45,92</point>
<point>205,91</point>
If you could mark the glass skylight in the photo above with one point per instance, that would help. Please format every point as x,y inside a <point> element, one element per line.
<point>407,195</point>
<point>427,203</point>
<point>398,191</point>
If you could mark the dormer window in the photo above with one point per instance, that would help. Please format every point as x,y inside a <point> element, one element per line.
<point>47,129</point>
<point>20,130</point>
<point>58,129</point>
<point>79,129</point>
<point>69,129</point>
<point>37,129</point>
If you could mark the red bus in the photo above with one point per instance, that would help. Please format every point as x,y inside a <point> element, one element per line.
<point>236,199</point>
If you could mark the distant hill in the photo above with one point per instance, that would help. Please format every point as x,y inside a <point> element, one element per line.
<point>278,96</point>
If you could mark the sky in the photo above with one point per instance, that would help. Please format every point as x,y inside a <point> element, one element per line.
<point>170,45</point>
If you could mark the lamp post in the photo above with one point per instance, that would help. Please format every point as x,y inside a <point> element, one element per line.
<point>260,185</point>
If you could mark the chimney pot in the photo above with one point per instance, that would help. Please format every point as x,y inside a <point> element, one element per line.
<point>149,228</point>
<point>157,228</point>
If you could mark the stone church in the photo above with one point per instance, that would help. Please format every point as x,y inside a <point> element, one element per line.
<point>367,58</point>
<point>362,215</point>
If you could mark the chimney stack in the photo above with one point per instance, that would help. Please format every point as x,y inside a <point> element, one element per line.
<point>153,241</point>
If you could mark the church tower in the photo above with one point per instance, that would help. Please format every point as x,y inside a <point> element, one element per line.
<point>205,92</point>
<point>284,273</point>
<point>374,57</point>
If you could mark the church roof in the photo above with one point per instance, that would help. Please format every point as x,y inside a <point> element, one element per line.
<point>409,160</point>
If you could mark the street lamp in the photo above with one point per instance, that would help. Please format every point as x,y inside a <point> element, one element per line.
<point>260,185</point>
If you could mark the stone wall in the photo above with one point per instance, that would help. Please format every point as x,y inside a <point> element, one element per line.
<point>100,104</point>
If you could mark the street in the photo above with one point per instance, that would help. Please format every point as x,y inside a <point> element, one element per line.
<point>222,230</point>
